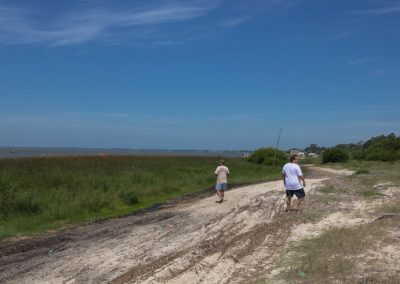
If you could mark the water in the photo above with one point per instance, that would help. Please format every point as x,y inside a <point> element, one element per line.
<point>20,152</point>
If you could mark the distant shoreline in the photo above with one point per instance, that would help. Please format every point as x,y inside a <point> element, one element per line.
<point>27,152</point>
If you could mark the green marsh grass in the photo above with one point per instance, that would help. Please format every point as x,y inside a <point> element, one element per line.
<point>38,194</point>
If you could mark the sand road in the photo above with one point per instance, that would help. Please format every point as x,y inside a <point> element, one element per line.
<point>197,241</point>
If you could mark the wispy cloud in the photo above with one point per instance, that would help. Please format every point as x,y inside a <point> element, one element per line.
<point>362,61</point>
<point>239,118</point>
<point>394,124</point>
<point>116,115</point>
<point>395,8</point>
<point>232,22</point>
<point>325,38</point>
<point>379,72</point>
<point>296,39</point>
<point>84,120</point>
<point>337,36</point>
<point>19,26</point>
<point>386,71</point>
<point>163,22</point>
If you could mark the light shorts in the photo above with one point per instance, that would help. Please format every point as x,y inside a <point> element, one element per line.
<point>221,186</point>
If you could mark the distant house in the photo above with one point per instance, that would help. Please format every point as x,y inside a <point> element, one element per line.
<point>296,152</point>
<point>245,155</point>
<point>312,155</point>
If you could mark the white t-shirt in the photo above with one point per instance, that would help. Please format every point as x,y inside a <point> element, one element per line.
<point>222,172</point>
<point>292,173</point>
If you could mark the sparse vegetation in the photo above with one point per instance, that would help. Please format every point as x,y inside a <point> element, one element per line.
<point>328,189</point>
<point>350,255</point>
<point>337,254</point>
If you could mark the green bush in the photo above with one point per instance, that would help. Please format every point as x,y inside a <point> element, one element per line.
<point>334,155</point>
<point>129,198</point>
<point>266,156</point>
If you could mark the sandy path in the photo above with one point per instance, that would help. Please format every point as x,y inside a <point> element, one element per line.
<point>198,242</point>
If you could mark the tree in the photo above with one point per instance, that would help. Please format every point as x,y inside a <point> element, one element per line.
<point>334,155</point>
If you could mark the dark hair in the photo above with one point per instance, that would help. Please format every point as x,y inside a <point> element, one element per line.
<point>293,157</point>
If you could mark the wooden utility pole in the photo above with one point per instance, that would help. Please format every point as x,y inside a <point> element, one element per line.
<point>277,144</point>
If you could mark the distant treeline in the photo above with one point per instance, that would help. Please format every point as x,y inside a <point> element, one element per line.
<point>379,148</point>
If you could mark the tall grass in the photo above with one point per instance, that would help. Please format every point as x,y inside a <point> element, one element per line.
<point>38,194</point>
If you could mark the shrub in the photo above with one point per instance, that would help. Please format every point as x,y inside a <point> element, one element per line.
<point>334,155</point>
<point>266,156</point>
<point>129,198</point>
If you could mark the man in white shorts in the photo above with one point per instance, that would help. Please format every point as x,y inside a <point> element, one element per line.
<point>293,181</point>
<point>222,173</point>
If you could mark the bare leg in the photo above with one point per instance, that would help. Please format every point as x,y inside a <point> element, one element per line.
<point>220,195</point>
<point>299,202</point>
<point>288,202</point>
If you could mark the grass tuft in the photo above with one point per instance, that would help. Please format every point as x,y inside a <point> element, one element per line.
<point>371,193</point>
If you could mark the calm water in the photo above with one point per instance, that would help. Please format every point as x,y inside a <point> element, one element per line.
<point>19,152</point>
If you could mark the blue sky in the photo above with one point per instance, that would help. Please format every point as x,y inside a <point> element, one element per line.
<point>220,74</point>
